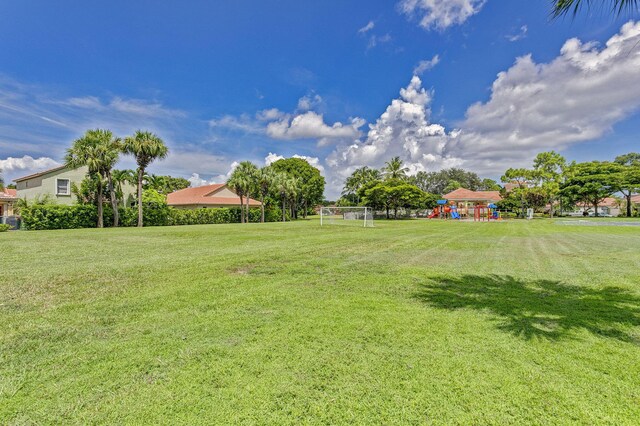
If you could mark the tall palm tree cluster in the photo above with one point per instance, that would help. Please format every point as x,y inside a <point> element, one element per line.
<point>100,150</point>
<point>247,180</point>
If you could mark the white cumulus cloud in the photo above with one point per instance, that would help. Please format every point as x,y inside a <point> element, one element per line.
<point>441,14</point>
<point>426,65</point>
<point>311,125</point>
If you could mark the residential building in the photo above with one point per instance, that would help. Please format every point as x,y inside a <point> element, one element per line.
<point>209,196</point>
<point>8,198</point>
<point>610,206</point>
<point>55,184</point>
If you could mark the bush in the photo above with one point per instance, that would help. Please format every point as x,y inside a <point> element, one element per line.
<point>54,216</point>
<point>4,228</point>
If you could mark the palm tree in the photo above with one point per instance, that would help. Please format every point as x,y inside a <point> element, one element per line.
<point>394,169</point>
<point>284,186</point>
<point>563,7</point>
<point>146,147</point>
<point>358,179</point>
<point>239,182</point>
<point>250,173</point>
<point>98,150</point>
<point>265,180</point>
<point>120,177</point>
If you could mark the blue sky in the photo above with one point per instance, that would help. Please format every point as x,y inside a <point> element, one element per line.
<point>226,81</point>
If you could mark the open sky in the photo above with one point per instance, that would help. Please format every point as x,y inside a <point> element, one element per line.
<point>479,84</point>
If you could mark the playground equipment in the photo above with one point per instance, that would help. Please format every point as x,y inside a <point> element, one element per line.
<point>443,211</point>
<point>486,213</point>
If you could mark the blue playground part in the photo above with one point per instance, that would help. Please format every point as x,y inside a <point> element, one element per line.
<point>455,215</point>
<point>442,202</point>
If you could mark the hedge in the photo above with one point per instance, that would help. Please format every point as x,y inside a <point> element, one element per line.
<point>4,228</point>
<point>54,216</point>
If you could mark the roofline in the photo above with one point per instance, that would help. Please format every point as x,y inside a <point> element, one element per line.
<point>44,172</point>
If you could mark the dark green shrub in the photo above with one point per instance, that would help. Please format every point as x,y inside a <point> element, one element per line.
<point>4,228</point>
<point>54,216</point>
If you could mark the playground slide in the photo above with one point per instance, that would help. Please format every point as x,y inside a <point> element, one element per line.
<point>435,213</point>
<point>455,215</point>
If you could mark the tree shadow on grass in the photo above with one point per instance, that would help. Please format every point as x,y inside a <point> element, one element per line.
<point>541,308</point>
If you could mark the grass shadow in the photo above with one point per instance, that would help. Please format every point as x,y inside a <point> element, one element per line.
<point>540,308</point>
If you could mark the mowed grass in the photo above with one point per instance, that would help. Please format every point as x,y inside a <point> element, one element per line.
<point>412,322</point>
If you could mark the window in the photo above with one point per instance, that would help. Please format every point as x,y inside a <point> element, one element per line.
<point>63,187</point>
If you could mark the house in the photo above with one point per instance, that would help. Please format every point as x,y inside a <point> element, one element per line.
<point>208,196</point>
<point>8,198</point>
<point>608,207</point>
<point>466,199</point>
<point>55,184</point>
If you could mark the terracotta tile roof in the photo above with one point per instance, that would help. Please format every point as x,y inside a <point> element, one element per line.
<point>608,202</point>
<point>462,194</point>
<point>44,172</point>
<point>205,196</point>
<point>8,194</point>
<point>635,199</point>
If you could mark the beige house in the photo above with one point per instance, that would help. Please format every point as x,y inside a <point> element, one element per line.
<point>56,184</point>
<point>209,196</point>
<point>8,198</point>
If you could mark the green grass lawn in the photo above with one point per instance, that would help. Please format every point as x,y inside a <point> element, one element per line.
<point>411,322</point>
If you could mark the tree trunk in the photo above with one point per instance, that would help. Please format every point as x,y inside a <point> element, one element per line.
<point>140,178</point>
<point>100,212</point>
<point>304,214</point>
<point>262,209</point>
<point>395,213</point>
<point>628,197</point>
<point>551,209</point>
<point>247,215</point>
<point>114,201</point>
<point>284,210</point>
<point>241,208</point>
<point>595,207</point>
<point>387,212</point>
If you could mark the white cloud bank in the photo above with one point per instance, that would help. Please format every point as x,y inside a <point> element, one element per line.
<point>440,14</point>
<point>533,107</point>
<point>28,163</point>
<point>311,125</point>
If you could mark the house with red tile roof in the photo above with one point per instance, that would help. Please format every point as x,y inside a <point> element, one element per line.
<point>208,196</point>
<point>8,198</point>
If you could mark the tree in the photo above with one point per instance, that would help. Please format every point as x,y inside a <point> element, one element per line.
<point>630,177</point>
<point>165,184</point>
<point>1,181</point>
<point>437,182</point>
<point>310,189</point>
<point>120,178</point>
<point>452,186</point>
<point>99,150</point>
<point>489,185</point>
<point>265,180</point>
<point>592,182</point>
<point>521,177</point>
<point>244,178</point>
<point>394,169</point>
<point>359,178</point>
<point>395,194</point>
<point>563,7</point>
<point>146,147</point>
<point>285,186</point>
<point>548,171</point>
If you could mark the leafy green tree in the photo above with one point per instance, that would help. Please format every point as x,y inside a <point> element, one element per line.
<point>489,185</point>
<point>358,178</point>
<point>522,177</point>
<point>452,186</point>
<point>548,171</point>
<point>592,182</point>
<point>437,182</point>
<point>146,147</point>
<point>1,181</point>
<point>395,194</point>
<point>563,7</point>
<point>630,177</point>
<point>394,169</point>
<point>165,184</point>
<point>311,184</point>
<point>99,150</point>
<point>285,188</point>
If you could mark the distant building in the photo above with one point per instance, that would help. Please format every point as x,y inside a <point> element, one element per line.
<point>466,199</point>
<point>608,207</point>
<point>8,198</point>
<point>209,196</point>
<point>56,185</point>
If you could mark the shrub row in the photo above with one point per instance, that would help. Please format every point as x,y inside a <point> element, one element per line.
<point>54,216</point>
<point>4,228</point>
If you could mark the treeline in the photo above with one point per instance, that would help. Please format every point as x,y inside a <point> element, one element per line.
<point>554,183</point>
<point>391,188</point>
<point>292,184</point>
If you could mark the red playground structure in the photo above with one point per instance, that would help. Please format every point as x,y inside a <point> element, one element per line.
<point>486,213</point>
